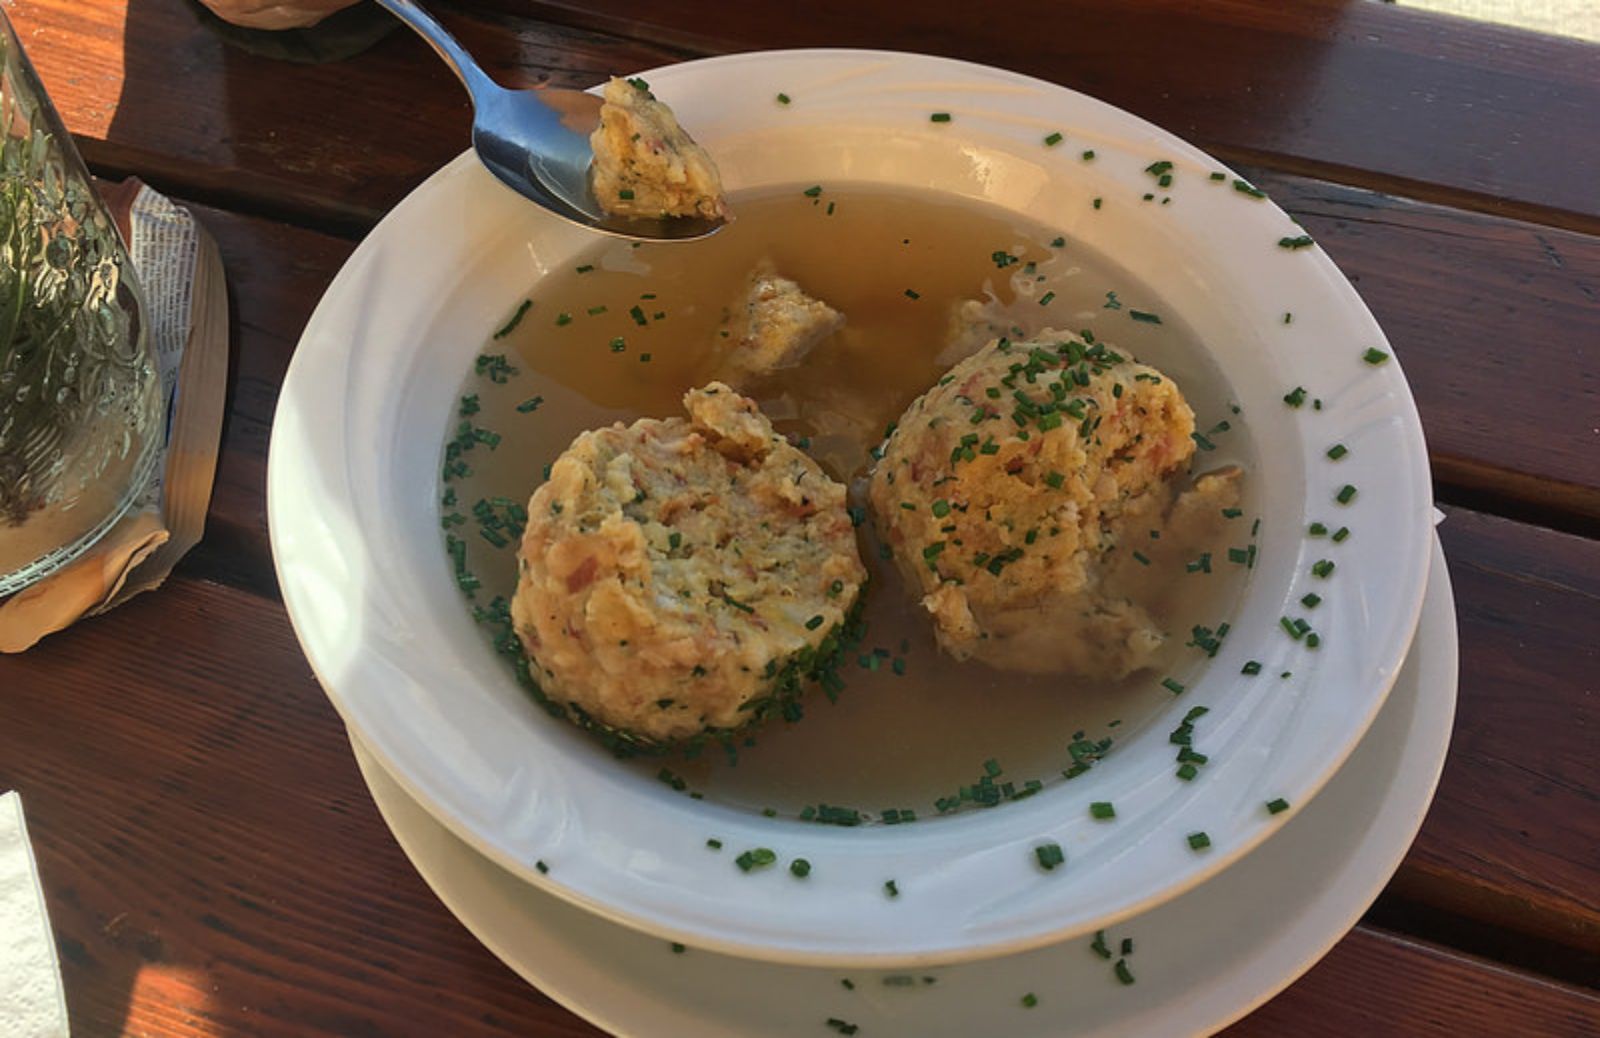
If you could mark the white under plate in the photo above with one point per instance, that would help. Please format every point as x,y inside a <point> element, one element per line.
<point>354,486</point>
<point>1200,961</point>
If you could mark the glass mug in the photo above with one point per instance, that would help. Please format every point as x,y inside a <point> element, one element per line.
<point>81,407</point>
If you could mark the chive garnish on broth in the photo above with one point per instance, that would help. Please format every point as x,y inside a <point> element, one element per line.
<point>1146,316</point>
<point>1175,687</point>
<point>783,99</point>
<point>1052,140</point>
<point>813,191</point>
<point>1088,156</point>
<point>516,319</point>
<point>1030,1000</point>
<point>530,405</point>
<point>939,117</point>
<point>586,268</point>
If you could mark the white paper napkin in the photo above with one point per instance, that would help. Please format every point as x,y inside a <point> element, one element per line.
<point>32,1004</point>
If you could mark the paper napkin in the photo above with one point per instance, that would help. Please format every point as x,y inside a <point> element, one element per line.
<point>32,1004</point>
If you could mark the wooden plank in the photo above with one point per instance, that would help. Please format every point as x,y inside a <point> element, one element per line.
<point>1512,835</point>
<point>213,864</point>
<point>1374,983</point>
<point>1394,99</point>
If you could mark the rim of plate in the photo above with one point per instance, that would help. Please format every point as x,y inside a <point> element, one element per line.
<point>356,540</point>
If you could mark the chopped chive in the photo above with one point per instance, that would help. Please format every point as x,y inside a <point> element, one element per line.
<point>812,191</point>
<point>815,622</point>
<point>1122,971</point>
<point>619,344</point>
<point>1338,451</point>
<point>1096,203</point>
<point>1244,188</point>
<point>913,294</point>
<point>756,858</point>
<point>939,117</point>
<point>1102,809</point>
<point>1374,356</point>
<point>1199,841</point>
<point>1187,772</point>
<point>1055,480</point>
<point>541,866</point>
<point>783,99</point>
<point>530,405</point>
<point>1052,140</point>
<point>1346,494</point>
<point>516,319</point>
<point>596,311</point>
<point>1277,805</point>
<point>1140,558</point>
<point>1176,688</point>
<point>1219,176</point>
<point>1317,530</point>
<point>1252,668</point>
<point>714,843</point>
<point>563,318</point>
<point>1049,855</point>
<point>1311,600</point>
<point>1304,241</point>
<point>1030,1000</point>
<point>891,888</point>
<point>1295,397</point>
<point>800,868</point>
<point>1088,156</point>
<point>585,268</point>
<point>1099,946</point>
<point>1145,316</point>
<point>1288,318</point>
<point>842,1026</point>
<point>1045,299</point>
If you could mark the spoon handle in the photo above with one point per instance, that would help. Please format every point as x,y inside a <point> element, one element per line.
<point>477,82</point>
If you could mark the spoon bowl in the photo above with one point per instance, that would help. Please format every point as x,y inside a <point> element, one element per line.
<point>537,142</point>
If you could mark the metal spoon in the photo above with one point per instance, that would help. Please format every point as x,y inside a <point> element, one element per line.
<point>537,141</point>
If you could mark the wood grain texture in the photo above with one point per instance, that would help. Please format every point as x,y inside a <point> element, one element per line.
<point>213,865</point>
<point>1445,996</point>
<point>1514,834</point>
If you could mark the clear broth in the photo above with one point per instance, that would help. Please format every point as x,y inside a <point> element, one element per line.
<point>624,331</point>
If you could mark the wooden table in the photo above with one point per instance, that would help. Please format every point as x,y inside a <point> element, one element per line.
<point>213,863</point>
